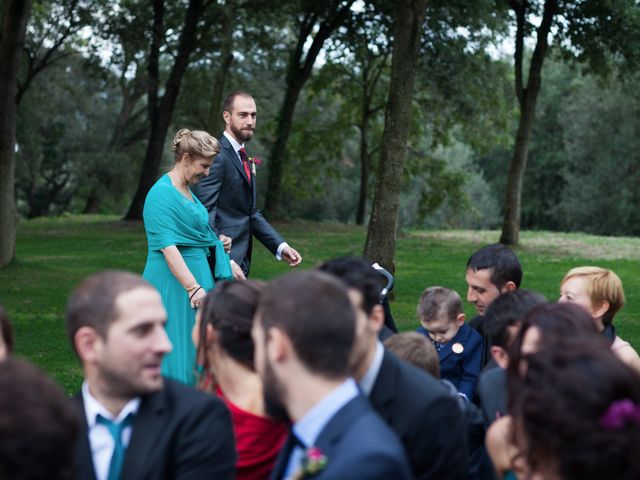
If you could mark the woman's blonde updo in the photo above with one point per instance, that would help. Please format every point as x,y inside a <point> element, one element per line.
<point>197,143</point>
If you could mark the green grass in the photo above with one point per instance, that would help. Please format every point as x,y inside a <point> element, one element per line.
<point>54,255</point>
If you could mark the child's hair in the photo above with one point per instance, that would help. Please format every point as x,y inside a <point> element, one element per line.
<point>415,349</point>
<point>602,284</point>
<point>437,302</point>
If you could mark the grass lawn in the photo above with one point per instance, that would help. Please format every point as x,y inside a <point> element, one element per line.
<point>54,255</point>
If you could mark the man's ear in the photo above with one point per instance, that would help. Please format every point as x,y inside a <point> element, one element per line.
<point>278,345</point>
<point>86,340</point>
<point>460,319</point>
<point>226,116</point>
<point>376,317</point>
<point>212,335</point>
<point>500,355</point>
<point>508,287</point>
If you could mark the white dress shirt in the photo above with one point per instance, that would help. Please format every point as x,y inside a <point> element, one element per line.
<point>369,379</point>
<point>100,439</point>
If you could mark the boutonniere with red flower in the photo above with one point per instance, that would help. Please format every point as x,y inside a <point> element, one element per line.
<point>312,463</point>
<point>254,161</point>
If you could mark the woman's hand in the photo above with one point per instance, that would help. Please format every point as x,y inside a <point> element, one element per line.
<point>238,274</point>
<point>226,242</point>
<point>197,297</point>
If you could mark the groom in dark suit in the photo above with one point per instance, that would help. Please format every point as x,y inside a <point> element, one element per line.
<point>137,424</point>
<point>414,404</point>
<point>303,333</point>
<point>229,192</point>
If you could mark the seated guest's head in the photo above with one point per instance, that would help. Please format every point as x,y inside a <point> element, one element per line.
<point>597,290</point>
<point>223,325</point>
<point>440,313</point>
<point>38,425</point>
<point>576,414</point>
<point>364,287</point>
<point>491,271</point>
<point>115,321</point>
<point>503,319</point>
<point>415,349</point>
<point>6,335</point>
<point>303,334</point>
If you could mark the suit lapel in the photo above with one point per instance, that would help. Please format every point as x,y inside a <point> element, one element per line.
<point>235,160</point>
<point>460,337</point>
<point>283,458</point>
<point>147,425</point>
<point>383,394</point>
<point>84,457</point>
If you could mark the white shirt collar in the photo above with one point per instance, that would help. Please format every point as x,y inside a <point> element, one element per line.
<point>236,146</point>
<point>93,407</point>
<point>369,378</point>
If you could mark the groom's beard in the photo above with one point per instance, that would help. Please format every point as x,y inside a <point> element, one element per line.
<point>244,135</point>
<point>274,393</point>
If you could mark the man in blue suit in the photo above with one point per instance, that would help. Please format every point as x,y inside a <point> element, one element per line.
<point>229,192</point>
<point>303,333</point>
<point>135,423</point>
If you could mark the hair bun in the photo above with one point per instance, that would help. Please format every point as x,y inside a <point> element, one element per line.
<point>176,141</point>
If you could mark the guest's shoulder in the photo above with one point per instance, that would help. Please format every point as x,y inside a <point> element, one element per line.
<point>469,334</point>
<point>185,397</point>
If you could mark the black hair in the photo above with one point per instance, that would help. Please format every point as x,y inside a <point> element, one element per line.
<point>507,310</point>
<point>503,263</point>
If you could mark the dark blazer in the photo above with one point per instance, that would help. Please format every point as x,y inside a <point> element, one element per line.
<point>357,444</point>
<point>463,368</point>
<point>178,433</point>
<point>231,202</point>
<point>425,417</point>
<point>492,391</point>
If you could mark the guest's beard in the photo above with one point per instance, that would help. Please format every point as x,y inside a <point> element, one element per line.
<point>274,393</point>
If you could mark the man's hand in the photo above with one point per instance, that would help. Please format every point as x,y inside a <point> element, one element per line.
<point>226,242</point>
<point>238,274</point>
<point>291,256</point>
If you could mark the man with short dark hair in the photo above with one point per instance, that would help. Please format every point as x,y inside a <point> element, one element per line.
<point>491,271</point>
<point>38,425</point>
<point>303,333</point>
<point>229,192</point>
<point>414,404</point>
<point>502,323</point>
<point>137,424</point>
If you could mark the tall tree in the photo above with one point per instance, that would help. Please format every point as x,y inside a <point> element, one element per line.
<point>160,109</point>
<point>15,14</point>
<point>586,30</point>
<point>408,18</point>
<point>317,21</point>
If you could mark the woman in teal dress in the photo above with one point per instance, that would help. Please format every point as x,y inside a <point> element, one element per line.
<point>179,240</point>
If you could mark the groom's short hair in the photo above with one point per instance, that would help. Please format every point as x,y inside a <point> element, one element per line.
<point>227,105</point>
<point>314,310</point>
<point>93,302</point>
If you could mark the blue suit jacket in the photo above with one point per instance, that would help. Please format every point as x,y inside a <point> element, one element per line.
<point>231,202</point>
<point>357,444</point>
<point>462,369</point>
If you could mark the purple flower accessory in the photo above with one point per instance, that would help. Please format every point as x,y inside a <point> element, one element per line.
<point>312,463</point>
<point>619,414</point>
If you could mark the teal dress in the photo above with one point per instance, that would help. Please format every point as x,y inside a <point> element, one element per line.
<point>172,219</point>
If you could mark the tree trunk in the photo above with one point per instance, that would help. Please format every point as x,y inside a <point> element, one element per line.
<point>364,162</point>
<point>215,124</point>
<point>15,16</point>
<point>299,71</point>
<point>160,114</point>
<point>381,235</point>
<point>527,97</point>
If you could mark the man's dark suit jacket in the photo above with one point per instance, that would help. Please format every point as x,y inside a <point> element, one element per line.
<point>178,433</point>
<point>357,445</point>
<point>231,202</point>
<point>425,417</point>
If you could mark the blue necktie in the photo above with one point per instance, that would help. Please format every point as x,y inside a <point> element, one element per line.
<point>117,458</point>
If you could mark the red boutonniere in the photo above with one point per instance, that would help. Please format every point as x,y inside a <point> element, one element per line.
<point>312,463</point>
<point>254,161</point>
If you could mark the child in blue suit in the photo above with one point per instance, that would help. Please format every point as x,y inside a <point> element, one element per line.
<point>458,345</point>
